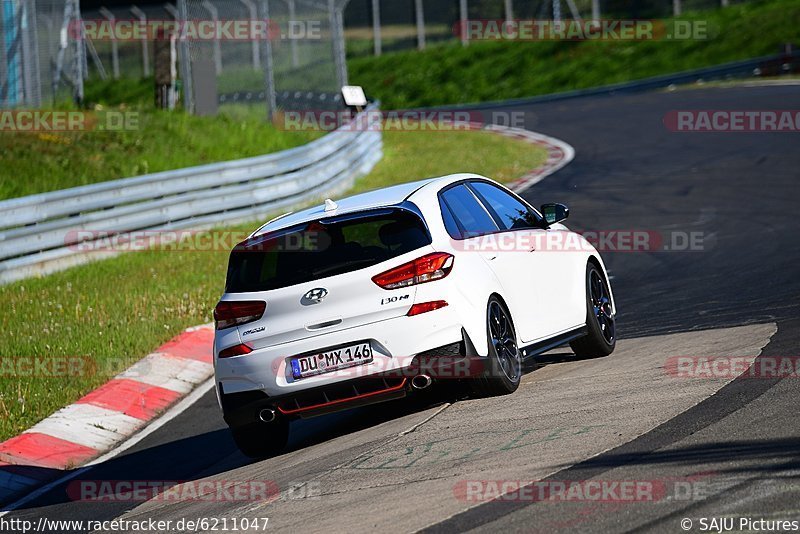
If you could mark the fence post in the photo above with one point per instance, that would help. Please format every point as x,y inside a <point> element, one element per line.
<point>724,3</point>
<point>463,13</point>
<point>109,16</point>
<point>336,19</point>
<point>138,13</point>
<point>101,71</point>
<point>256,52</point>
<point>376,26</point>
<point>30,56</point>
<point>676,8</point>
<point>509,8</point>
<point>212,10</point>
<point>269,67</point>
<point>181,15</point>
<point>292,40</point>
<point>5,61</point>
<point>420,16</point>
<point>576,15</point>
<point>556,9</point>
<point>80,55</point>
<point>596,10</point>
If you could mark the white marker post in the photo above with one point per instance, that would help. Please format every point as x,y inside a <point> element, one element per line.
<point>354,97</point>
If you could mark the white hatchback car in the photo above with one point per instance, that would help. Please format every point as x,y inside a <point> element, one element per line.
<point>366,299</point>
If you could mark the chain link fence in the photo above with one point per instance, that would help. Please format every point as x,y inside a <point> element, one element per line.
<point>131,58</point>
<point>377,26</point>
<point>41,58</point>
<point>300,64</point>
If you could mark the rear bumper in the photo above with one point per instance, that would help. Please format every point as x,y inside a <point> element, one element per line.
<point>242,409</point>
<point>395,342</point>
<point>448,362</point>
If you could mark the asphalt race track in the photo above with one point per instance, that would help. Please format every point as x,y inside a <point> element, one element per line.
<point>733,445</point>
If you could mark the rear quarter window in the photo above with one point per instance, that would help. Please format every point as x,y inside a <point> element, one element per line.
<point>469,216</point>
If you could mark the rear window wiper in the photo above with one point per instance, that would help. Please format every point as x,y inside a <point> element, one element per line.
<point>347,265</point>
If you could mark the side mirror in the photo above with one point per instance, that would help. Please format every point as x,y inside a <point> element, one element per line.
<point>554,213</point>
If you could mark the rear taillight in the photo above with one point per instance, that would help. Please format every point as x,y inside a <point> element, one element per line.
<point>236,350</point>
<point>425,269</point>
<point>234,313</point>
<point>425,307</point>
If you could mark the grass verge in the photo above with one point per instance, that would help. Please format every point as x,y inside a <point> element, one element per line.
<point>35,162</point>
<point>452,74</point>
<point>118,310</point>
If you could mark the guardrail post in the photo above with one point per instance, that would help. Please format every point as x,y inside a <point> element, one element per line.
<point>138,13</point>
<point>109,16</point>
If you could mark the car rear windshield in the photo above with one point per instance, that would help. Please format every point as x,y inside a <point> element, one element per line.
<point>323,248</point>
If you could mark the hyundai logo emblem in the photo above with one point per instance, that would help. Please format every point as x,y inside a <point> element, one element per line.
<point>315,296</point>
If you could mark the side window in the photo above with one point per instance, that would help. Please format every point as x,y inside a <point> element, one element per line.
<point>470,216</point>
<point>512,213</point>
<point>449,222</point>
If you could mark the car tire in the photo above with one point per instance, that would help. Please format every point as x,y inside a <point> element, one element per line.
<point>601,337</point>
<point>503,365</point>
<point>262,440</point>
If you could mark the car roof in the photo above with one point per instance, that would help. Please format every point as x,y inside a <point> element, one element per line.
<point>378,198</point>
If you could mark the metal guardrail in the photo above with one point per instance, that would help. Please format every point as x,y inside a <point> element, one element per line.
<point>40,233</point>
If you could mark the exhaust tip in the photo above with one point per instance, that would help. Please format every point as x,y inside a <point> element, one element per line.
<point>267,415</point>
<point>421,382</point>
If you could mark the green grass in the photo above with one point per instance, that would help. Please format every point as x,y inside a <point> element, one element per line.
<point>452,74</point>
<point>118,310</point>
<point>409,156</point>
<point>37,162</point>
<point>128,92</point>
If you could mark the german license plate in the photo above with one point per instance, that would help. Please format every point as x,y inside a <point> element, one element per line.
<point>331,360</point>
